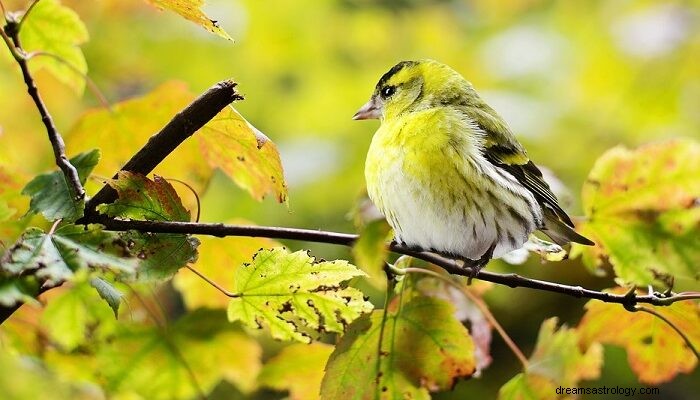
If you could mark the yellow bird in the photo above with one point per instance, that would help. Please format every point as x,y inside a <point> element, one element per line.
<point>447,172</point>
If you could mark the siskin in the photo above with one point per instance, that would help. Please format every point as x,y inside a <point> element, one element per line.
<point>447,172</point>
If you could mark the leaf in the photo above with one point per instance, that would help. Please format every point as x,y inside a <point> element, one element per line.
<point>558,360</point>
<point>31,380</point>
<point>71,315</point>
<point>655,352</point>
<point>244,153</point>
<point>371,250</point>
<point>58,30</point>
<point>9,193</point>
<point>199,350</point>
<point>190,10</point>
<point>50,194</point>
<point>559,357</point>
<point>291,291</point>
<point>109,293</point>
<point>298,369</point>
<point>56,257</point>
<point>423,348</point>
<point>160,255</point>
<point>217,258</point>
<point>143,199</point>
<point>528,387</point>
<point>129,125</point>
<point>642,210</point>
<point>16,290</point>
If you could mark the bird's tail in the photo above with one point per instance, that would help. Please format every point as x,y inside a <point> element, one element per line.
<point>560,232</point>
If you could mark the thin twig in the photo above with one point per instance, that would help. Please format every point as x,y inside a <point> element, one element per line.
<point>212,283</point>
<point>345,239</point>
<point>59,149</point>
<point>92,86</point>
<point>3,9</point>
<point>482,307</point>
<point>672,325</point>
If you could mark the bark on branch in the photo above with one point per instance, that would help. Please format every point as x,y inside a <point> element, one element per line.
<point>511,280</point>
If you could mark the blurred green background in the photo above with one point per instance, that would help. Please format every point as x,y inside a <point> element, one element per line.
<point>572,78</point>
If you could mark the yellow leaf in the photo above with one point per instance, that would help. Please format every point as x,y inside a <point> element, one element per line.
<point>244,153</point>
<point>128,127</point>
<point>190,10</point>
<point>297,368</point>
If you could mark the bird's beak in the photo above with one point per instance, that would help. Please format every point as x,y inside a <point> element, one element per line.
<point>368,111</point>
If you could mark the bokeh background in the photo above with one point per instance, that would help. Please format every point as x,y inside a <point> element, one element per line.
<point>572,78</point>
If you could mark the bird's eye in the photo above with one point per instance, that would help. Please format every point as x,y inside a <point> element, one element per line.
<point>388,91</point>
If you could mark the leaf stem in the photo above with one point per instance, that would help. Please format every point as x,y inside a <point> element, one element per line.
<point>672,325</point>
<point>482,307</point>
<point>212,283</point>
<point>194,192</point>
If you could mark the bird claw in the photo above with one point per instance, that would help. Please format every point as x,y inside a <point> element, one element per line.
<point>477,265</point>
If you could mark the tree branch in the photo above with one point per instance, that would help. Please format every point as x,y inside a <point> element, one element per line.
<point>345,239</point>
<point>183,125</point>
<point>11,31</point>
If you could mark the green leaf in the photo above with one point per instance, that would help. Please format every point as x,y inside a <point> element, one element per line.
<point>70,318</point>
<point>423,348</point>
<point>143,199</point>
<point>298,369</point>
<point>559,356</point>
<point>55,257</point>
<point>58,30</point>
<point>50,194</point>
<point>642,209</point>
<point>197,351</point>
<point>213,254</point>
<point>528,387</point>
<point>190,10</point>
<point>290,292</point>
<point>160,254</point>
<point>559,359</point>
<point>16,290</point>
<point>655,352</point>
<point>109,293</point>
<point>371,250</point>
<point>245,154</point>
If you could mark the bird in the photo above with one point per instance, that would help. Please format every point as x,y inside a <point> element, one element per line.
<point>447,172</point>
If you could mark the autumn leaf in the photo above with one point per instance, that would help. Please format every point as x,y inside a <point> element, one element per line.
<point>423,348</point>
<point>244,153</point>
<point>176,363</point>
<point>559,359</point>
<point>160,254</point>
<point>128,126</point>
<point>298,369</point>
<point>655,352</point>
<point>50,194</point>
<point>643,211</point>
<point>58,30</point>
<point>218,258</point>
<point>141,198</point>
<point>190,10</point>
<point>292,292</point>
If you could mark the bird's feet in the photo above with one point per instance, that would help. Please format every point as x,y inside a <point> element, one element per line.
<point>477,265</point>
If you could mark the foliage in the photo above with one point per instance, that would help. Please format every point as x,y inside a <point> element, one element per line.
<point>292,293</point>
<point>115,328</point>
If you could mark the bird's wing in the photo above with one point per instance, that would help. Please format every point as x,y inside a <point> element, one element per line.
<point>505,152</point>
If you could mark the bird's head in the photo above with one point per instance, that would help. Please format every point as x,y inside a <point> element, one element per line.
<point>410,86</point>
